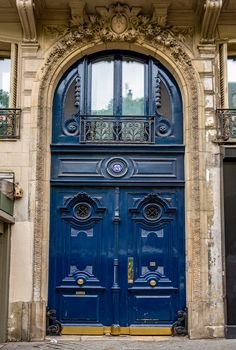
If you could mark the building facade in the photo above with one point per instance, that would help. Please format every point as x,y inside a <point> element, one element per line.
<point>117,123</point>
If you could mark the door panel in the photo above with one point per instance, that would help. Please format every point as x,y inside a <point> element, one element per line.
<point>81,256</point>
<point>143,247</point>
<point>154,235</point>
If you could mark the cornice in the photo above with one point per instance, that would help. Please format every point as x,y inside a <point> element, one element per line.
<point>9,16</point>
<point>227,18</point>
<point>212,11</point>
<point>26,13</point>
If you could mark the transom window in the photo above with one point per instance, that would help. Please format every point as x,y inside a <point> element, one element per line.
<point>232,82</point>
<point>118,97</point>
<point>118,86</point>
<point>5,64</point>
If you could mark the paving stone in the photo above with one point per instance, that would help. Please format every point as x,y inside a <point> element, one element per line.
<point>124,343</point>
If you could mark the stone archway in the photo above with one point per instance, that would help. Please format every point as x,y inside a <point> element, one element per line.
<point>142,34</point>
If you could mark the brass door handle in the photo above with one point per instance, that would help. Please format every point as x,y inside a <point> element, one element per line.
<point>130,269</point>
<point>80,281</point>
<point>153,283</point>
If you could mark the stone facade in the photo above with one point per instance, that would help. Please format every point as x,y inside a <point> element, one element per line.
<point>185,37</point>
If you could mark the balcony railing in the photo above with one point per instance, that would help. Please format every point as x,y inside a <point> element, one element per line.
<point>226,125</point>
<point>107,129</point>
<point>10,123</point>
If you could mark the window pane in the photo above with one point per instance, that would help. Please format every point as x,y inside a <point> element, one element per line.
<point>132,87</point>
<point>5,64</point>
<point>102,87</point>
<point>232,82</point>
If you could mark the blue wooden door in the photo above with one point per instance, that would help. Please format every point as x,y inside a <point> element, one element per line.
<point>151,240</point>
<point>117,216</point>
<point>82,256</point>
<point>118,258</point>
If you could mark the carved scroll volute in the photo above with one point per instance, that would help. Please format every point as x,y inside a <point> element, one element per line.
<point>26,13</point>
<point>212,11</point>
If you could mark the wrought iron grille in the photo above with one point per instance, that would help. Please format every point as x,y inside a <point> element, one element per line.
<point>226,125</point>
<point>107,129</point>
<point>9,123</point>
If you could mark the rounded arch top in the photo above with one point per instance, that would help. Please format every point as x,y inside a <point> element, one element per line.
<point>141,33</point>
<point>119,84</point>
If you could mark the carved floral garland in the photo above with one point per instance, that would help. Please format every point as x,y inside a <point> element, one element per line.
<point>120,23</point>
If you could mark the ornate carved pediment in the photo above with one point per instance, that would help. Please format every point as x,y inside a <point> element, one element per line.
<point>119,22</point>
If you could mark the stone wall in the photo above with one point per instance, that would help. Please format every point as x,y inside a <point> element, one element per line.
<point>40,67</point>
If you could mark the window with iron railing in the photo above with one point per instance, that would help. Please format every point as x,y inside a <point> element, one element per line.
<point>9,114</point>
<point>5,67</point>
<point>117,97</point>
<point>226,115</point>
<point>231,77</point>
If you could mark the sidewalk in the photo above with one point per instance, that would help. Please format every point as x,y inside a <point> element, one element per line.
<point>124,343</point>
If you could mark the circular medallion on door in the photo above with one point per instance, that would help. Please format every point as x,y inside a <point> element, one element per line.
<point>117,167</point>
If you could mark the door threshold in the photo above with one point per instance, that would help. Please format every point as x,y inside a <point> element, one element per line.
<point>111,330</point>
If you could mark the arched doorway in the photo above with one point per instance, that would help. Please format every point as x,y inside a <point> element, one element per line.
<point>117,262</point>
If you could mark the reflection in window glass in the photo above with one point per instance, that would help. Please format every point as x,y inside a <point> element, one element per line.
<point>102,87</point>
<point>132,87</point>
<point>4,82</point>
<point>232,82</point>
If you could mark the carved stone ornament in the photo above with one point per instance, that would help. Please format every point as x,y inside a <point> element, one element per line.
<point>53,30</point>
<point>212,11</point>
<point>119,22</point>
<point>26,13</point>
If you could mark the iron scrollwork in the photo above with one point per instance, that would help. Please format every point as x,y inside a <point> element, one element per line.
<point>109,129</point>
<point>226,125</point>
<point>126,130</point>
<point>53,325</point>
<point>9,123</point>
<point>180,327</point>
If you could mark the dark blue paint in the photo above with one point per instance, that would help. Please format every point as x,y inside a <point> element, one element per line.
<point>96,249</point>
<point>86,250</point>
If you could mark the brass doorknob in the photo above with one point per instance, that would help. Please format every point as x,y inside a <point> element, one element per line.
<point>153,283</point>
<point>80,281</point>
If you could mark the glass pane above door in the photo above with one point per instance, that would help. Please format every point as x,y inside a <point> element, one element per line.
<point>102,87</point>
<point>232,82</point>
<point>5,64</point>
<point>132,87</point>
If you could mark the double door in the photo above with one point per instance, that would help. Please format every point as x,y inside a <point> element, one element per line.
<point>117,259</point>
